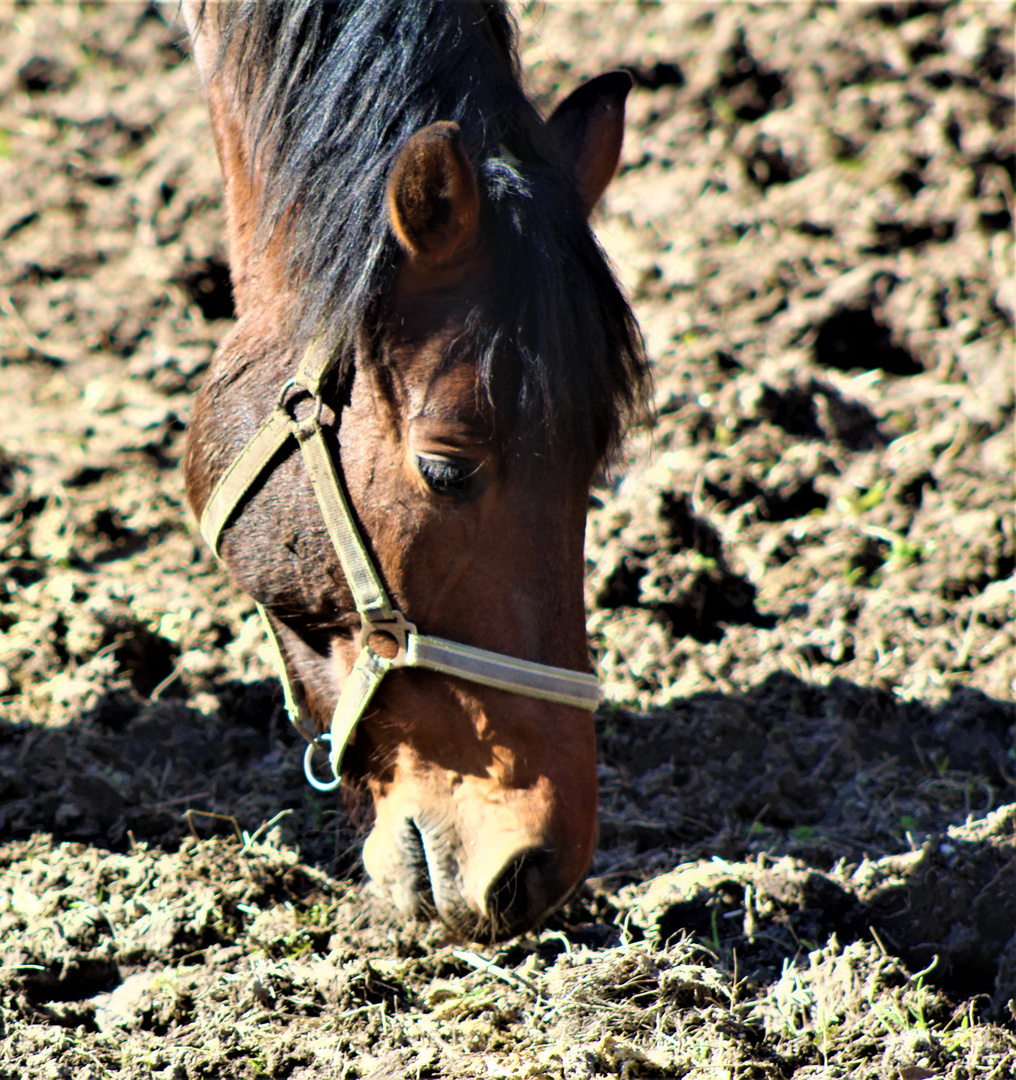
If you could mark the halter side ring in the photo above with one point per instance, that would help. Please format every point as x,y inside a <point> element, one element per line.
<point>322,741</point>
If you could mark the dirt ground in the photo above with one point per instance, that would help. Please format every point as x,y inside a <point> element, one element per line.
<point>800,590</point>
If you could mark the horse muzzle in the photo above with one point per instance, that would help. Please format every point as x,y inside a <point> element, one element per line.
<point>489,864</point>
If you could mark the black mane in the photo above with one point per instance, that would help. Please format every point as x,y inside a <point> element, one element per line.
<point>333,90</point>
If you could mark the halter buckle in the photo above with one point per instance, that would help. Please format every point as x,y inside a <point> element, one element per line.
<point>397,628</point>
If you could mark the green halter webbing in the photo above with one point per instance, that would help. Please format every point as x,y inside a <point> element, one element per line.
<point>377,615</point>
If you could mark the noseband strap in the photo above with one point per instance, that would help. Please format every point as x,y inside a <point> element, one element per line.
<point>377,616</point>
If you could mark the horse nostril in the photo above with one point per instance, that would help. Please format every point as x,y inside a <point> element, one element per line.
<point>519,894</point>
<point>416,857</point>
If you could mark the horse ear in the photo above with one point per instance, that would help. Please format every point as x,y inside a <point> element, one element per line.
<point>589,126</point>
<point>433,203</point>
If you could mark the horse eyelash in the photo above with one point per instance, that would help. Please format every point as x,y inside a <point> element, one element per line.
<point>440,473</point>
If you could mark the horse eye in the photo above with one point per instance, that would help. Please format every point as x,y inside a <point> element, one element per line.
<point>450,476</point>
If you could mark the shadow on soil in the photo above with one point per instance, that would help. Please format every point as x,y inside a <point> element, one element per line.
<point>797,812</point>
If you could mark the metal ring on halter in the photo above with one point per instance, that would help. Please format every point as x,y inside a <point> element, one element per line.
<point>291,392</point>
<point>308,765</point>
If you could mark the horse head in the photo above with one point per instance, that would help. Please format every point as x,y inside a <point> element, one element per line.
<point>469,512</point>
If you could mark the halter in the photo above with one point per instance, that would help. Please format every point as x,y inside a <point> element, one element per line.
<point>377,615</point>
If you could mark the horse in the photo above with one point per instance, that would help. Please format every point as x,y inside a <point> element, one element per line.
<point>393,447</point>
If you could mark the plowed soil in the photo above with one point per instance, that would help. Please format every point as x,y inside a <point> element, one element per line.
<point>800,589</point>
